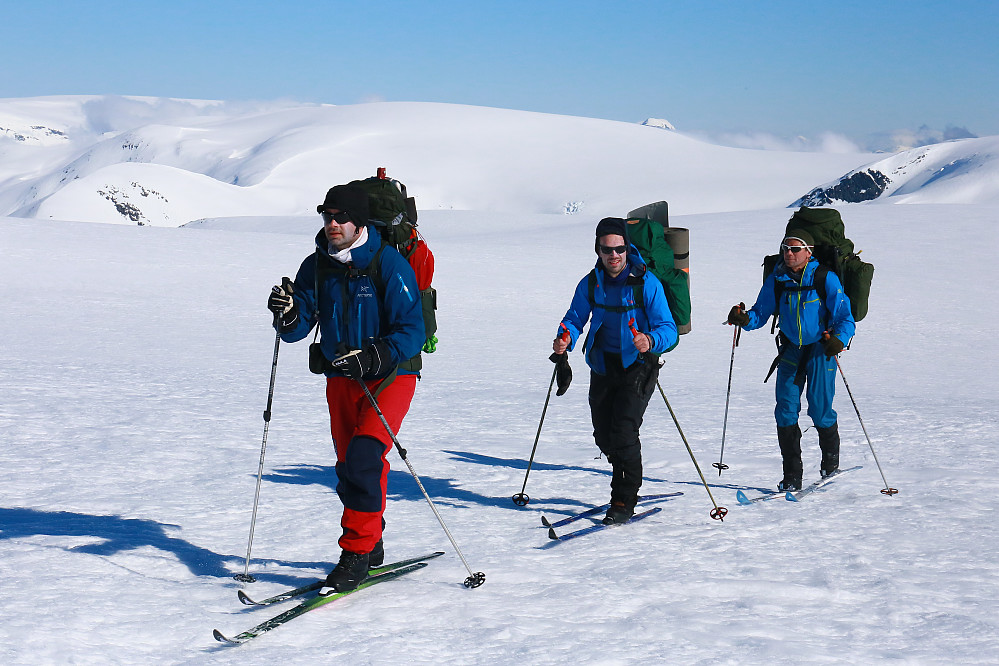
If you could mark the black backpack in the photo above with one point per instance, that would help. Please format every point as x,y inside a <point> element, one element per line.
<point>834,252</point>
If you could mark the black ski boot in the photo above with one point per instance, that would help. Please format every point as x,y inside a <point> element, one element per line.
<point>348,573</point>
<point>789,439</point>
<point>829,443</point>
<point>376,557</point>
<point>619,512</point>
<point>622,508</point>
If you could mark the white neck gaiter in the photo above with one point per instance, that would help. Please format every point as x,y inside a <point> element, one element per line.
<point>343,256</point>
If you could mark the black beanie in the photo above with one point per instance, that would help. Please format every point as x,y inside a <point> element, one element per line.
<point>613,226</point>
<point>351,199</point>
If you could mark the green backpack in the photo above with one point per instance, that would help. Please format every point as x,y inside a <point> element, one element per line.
<point>834,252</point>
<point>650,238</point>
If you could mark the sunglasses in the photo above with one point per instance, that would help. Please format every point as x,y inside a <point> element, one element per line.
<point>620,249</point>
<point>793,249</point>
<point>340,218</point>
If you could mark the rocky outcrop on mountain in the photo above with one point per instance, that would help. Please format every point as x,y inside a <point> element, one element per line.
<point>852,188</point>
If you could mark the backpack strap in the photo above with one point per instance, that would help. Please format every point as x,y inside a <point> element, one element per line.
<point>818,285</point>
<point>372,271</point>
<point>638,290</point>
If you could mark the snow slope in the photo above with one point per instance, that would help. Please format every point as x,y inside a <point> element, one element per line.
<point>134,373</point>
<point>962,171</point>
<point>278,160</point>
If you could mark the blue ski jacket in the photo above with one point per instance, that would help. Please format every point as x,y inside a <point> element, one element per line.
<point>653,319</point>
<point>803,318</point>
<point>345,301</point>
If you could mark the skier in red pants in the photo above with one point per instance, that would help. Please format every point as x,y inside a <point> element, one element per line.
<point>364,297</point>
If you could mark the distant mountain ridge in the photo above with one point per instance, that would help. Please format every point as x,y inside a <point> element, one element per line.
<point>959,171</point>
<point>166,162</point>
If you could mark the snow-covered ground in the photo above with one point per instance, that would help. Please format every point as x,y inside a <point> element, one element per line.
<point>134,373</point>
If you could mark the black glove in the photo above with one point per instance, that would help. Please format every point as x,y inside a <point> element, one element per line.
<point>352,365</point>
<point>373,360</point>
<point>563,373</point>
<point>737,316</point>
<point>831,344</point>
<point>646,375</point>
<point>281,303</point>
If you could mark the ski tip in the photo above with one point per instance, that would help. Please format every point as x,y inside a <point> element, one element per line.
<point>544,521</point>
<point>245,599</point>
<point>551,534</point>
<point>789,496</point>
<point>741,498</point>
<point>222,639</point>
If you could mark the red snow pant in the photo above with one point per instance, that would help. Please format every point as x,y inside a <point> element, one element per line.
<point>362,447</point>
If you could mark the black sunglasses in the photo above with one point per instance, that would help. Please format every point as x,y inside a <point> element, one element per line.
<point>340,218</point>
<point>620,249</point>
<point>793,249</point>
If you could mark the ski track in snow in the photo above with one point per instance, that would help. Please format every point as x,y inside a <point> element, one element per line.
<point>135,371</point>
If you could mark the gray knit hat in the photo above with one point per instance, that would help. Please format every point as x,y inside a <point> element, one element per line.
<point>801,235</point>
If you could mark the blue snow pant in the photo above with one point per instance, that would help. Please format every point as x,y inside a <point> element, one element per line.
<point>801,368</point>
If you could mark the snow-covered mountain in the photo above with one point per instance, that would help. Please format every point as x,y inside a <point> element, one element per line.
<point>167,162</point>
<point>960,171</point>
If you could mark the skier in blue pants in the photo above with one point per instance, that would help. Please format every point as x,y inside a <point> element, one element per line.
<point>812,332</point>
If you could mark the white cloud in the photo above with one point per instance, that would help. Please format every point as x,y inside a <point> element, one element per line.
<point>826,142</point>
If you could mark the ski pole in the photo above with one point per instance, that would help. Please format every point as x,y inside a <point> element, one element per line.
<point>246,577</point>
<point>719,512</point>
<point>735,343</point>
<point>474,579</point>
<point>887,490</point>
<point>522,498</point>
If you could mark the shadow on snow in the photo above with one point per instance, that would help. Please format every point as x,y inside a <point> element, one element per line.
<point>119,535</point>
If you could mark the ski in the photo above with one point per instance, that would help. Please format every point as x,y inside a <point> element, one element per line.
<point>312,604</point>
<point>597,509</point>
<point>305,589</point>
<point>744,500</point>
<point>790,496</point>
<point>816,485</point>
<point>600,526</point>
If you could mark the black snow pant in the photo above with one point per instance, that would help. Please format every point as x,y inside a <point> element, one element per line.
<point>618,401</point>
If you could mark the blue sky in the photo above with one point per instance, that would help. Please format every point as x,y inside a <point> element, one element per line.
<point>782,67</point>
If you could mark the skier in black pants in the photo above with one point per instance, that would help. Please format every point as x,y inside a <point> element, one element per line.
<point>620,349</point>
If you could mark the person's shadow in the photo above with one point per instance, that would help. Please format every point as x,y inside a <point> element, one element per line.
<point>119,534</point>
